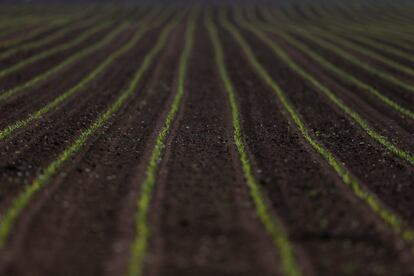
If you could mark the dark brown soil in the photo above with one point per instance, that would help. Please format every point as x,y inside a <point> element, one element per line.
<point>103,164</point>
<point>394,44</point>
<point>21,32</point>
<point>52,134</point>
<point>11,33</point>
<point>202,213</point>
<point>13,59</point>
<point>387,54</point>
<point>357,148</point>
<point>379,64</point>
<point>383,118</point>
<point>43,65</point>
<point>22,104</point>
<point>202,219</point>
<point>288,168</point>
<point>400,95</point>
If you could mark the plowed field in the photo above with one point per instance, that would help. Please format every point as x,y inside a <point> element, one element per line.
<point>213,139</point>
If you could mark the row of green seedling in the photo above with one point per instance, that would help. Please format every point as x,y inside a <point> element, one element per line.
<point>394,222</point>
<point>94,74</point>
<point>270,222</point>
<point>20,202</point>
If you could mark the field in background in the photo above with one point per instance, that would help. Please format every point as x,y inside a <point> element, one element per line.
<point>233,139</point>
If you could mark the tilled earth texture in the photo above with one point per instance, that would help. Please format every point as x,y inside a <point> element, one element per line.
<point>211,138</point>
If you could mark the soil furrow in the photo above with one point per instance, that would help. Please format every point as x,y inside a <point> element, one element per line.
<point>42,30</point>
<point>381,50</point>
<point>395,54</point>
<point>24,104</point>
<point>398,150</point>
<point>23,158</point>
<point>329,219</point>
<point>387,121</point>
<point>392,43</point>
<point>62,36</point>
<point>235,138</point>
<point>274,227</point>
<point>19,37</point>
<point>401,95</point>
<point>353,83</point>
<point>11,33</point>
<point>90,76</point>
<point>391,66</point>
<point>25,70</point>
<point>81,215</point>
<point>386,175</point>
<point>15,57</point>
<point>200,189</point>
<point>33,69</point>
